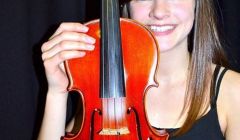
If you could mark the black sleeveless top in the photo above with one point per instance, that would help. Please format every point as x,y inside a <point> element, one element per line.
<point>207,127</point>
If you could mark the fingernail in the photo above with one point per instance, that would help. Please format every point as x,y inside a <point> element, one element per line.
<point>91,47</point>
<point>91,40</point>
<point>85,28</point>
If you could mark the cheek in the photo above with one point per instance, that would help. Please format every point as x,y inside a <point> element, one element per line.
<point>137,13</point>
<point>184,12</point>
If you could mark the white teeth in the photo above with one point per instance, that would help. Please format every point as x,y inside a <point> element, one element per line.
<point>161,28</point>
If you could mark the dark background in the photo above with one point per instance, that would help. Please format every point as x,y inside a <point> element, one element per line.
<point>26,24</point>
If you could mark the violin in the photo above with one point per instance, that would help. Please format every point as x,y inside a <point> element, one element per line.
<point>114,78</point>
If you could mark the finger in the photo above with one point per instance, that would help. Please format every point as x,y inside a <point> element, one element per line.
<point>71,36</point>
<point>52,63</point>
<point>70,26</point>
<point>67,46</point>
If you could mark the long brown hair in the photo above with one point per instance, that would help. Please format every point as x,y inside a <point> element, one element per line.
<point>205,49</point>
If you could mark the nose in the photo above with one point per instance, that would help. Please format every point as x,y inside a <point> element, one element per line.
<point>159,10</point>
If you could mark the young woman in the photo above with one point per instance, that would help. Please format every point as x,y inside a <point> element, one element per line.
<point>196,98</point>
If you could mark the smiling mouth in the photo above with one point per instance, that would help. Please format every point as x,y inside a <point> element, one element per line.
<point>161,29</point>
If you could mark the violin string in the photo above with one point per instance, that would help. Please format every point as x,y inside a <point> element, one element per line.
<point>108,117</point>
<point>121,114</point>
<point>103,110</point>
<point>124,106</point>
<point>115,114</point>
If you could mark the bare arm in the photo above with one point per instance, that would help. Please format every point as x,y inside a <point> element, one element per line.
<point>69,41</point>
<point>53,125</point>
<point>231,104</point>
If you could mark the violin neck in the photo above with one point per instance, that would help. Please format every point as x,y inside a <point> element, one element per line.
<point>111,71</point>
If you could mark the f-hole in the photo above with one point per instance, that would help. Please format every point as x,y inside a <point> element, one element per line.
<point>77,111</point>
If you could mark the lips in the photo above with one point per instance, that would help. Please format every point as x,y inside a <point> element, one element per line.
<point>162,29</point>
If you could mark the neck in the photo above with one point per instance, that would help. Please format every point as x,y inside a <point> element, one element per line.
<point>173,65</point>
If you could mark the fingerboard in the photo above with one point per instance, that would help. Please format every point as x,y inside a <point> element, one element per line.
<point>112,72</point>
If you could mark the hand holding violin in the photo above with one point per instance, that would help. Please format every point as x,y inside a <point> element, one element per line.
<point>69,41</point>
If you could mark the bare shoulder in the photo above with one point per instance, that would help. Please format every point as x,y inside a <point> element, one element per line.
<point>229,103</point>
<point>231,86</point>
<point>230,89</point>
